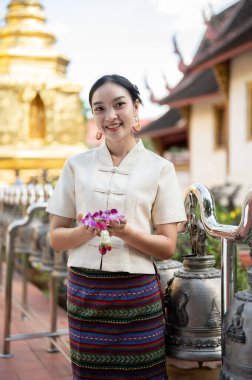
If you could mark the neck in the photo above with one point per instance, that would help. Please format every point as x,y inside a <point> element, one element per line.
<point>119,150</point>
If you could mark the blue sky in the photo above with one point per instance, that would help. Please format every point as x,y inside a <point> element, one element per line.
<point>129,37</point>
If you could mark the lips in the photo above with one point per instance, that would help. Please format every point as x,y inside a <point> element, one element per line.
<point>113,127</point>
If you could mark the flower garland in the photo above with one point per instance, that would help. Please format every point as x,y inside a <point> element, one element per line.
<point>101,220</point>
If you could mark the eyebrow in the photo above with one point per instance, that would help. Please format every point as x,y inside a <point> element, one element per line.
<point>114,100</point>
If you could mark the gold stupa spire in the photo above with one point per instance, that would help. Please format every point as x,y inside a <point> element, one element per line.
<point>26,18</point>
<point>41,121</point>
<point>27,37</point>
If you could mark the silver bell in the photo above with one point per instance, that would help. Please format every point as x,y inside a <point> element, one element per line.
<point>166,269</point>
<point>193,306</point>
<point>237,342</point>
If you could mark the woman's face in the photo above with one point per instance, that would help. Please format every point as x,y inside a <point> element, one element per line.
<point>114,111</point>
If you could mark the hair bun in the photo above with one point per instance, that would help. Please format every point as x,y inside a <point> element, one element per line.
<point>136,88</point>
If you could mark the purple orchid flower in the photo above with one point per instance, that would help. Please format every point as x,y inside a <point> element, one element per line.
<point>101,220</point>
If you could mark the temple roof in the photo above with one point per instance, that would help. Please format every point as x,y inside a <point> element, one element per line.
<point>225,31</point>
<point>191,87</point>
<point>171,123</point>
<point>227,35</point>
<point>169,119</point>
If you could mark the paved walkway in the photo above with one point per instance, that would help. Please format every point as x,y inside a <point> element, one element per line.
<point>31,361</point>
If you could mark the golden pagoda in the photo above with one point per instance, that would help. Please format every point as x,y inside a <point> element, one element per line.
<point>41,121</point>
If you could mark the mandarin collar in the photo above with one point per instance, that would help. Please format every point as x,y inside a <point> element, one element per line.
<point>105,158</point>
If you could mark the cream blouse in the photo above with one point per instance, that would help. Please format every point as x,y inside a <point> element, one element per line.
<point>143,187</point>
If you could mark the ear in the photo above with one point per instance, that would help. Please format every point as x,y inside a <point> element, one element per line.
<point>136,107</point>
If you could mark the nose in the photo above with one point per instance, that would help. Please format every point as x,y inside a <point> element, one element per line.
<point>111,114</point>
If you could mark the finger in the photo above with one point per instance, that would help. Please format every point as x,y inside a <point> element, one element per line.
<point>79,217</point>
<point>97,232</point>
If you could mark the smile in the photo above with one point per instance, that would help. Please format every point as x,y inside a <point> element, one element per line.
<point>113,126</point>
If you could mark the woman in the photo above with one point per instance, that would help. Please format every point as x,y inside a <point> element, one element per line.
<point>114,302</point>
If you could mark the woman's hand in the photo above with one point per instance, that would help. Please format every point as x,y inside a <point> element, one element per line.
<point>115,227</point>
<point>65,234</point>
<point>160,245</point>
<point>92,231</point>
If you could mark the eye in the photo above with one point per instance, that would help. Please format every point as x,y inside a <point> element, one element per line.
<point>119,104</point>
<point>98,109</point>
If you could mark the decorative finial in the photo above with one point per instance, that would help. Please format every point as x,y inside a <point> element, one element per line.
<point>181,65</point>
<point>210,31</point>
<point>153,99</point>
<point>210,5</point>
<point>167,86</point>
<point>198,238</point>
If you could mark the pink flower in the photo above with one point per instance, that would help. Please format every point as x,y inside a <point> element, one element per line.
<point>102,250</point>
<point>100,220</point>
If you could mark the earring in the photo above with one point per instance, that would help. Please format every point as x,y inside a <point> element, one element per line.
<point>98,135</point>
<point>137,127</point>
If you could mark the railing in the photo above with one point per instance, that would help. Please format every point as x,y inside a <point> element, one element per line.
<point>229,235</point>
<point>13,202</point>
<point>10,240</point>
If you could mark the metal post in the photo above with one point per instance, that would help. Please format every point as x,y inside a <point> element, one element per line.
<point>229,273</point>
<point>53,294</point>
<point>25,265</point>
<point>8,289</point>
<point>1,261</point>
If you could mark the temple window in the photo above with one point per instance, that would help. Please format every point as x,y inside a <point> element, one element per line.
<point>37,118</point>
<point>249,111</point>
<point>220,121</point>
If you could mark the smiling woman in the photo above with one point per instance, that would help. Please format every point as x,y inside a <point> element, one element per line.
<point>115,104</point>
<point>114,300</point>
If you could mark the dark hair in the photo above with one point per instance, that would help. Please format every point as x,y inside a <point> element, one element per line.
<point>117,79</point>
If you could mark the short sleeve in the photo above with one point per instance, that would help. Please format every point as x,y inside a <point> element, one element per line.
<point>62,201</point>
<point>168,206</point>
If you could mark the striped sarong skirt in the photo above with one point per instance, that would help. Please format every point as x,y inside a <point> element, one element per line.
<point>116,326</point>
